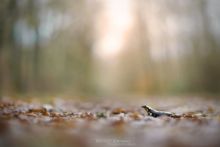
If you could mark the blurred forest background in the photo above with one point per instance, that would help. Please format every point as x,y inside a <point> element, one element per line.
<point>109,47</point>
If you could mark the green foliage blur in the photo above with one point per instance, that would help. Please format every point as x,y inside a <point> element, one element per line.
<point>47,47</point>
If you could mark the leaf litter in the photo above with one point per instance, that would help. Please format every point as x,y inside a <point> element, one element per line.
<point>117,123</point>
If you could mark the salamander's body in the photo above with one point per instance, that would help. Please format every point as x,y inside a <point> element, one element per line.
<point>154,113</point>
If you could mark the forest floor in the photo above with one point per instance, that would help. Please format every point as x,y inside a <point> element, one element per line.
<point>110,123</point>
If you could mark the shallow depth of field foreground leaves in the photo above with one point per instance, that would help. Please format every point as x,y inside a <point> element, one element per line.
<point>110,123</point>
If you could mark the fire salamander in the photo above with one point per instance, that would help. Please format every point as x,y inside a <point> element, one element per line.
<point>155,113</point>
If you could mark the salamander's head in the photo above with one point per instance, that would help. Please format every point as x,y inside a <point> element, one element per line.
<point>147,108</point>
<point>144,106</point>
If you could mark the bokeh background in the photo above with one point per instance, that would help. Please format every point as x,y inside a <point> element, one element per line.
<point>109,47</point>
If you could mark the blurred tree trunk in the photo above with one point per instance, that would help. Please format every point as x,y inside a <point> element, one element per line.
<point>36,59</point>
<point>15,50</point>
<point>34,22</point>
<point>146,77</point>
<point>210,52</point>
<point>2,24</point>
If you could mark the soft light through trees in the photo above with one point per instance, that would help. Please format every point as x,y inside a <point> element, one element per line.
<point>109,47</point>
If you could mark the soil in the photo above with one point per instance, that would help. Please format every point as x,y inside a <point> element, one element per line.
<point>107,122</point>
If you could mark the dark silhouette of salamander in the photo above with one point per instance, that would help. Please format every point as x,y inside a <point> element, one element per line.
<point>155,113</point>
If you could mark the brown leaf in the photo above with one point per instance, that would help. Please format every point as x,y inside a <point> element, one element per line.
<point>135,115</point>
<point>118,111</point>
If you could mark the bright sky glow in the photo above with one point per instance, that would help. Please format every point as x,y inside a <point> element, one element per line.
<point>114,23</point>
